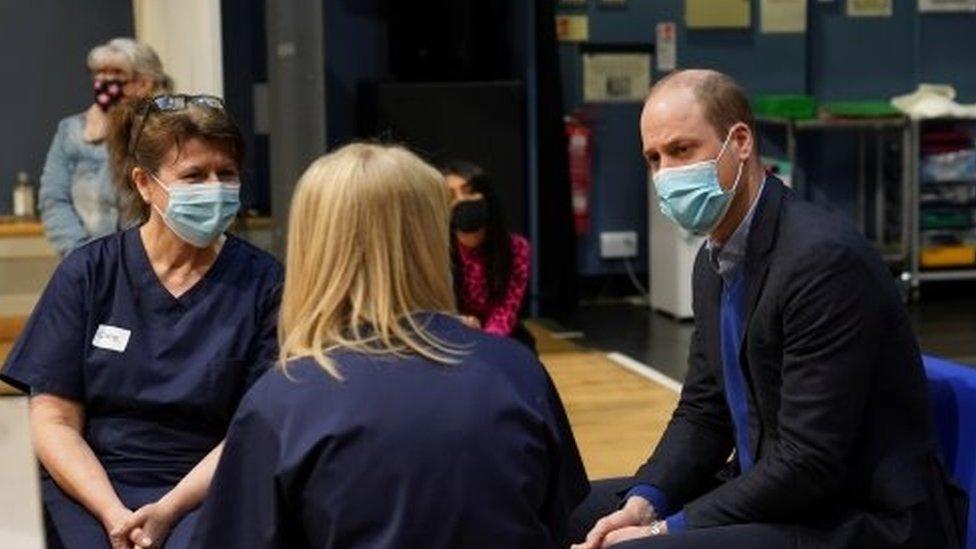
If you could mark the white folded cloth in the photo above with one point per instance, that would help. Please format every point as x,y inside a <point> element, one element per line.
<point>933,101</point>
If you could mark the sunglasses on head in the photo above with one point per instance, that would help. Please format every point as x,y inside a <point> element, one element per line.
<point>172,103</point>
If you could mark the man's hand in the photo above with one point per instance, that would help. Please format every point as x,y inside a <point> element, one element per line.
<point>658,528</point>
<point>637,512</point>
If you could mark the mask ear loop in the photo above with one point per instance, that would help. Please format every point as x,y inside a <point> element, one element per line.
<point>165,189</point>
<point>735,186</point>
<point>158,182</point>
<point>738,176</point>
<point>728,138</point>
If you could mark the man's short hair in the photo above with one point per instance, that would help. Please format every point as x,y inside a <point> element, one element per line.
<point>722,99</point>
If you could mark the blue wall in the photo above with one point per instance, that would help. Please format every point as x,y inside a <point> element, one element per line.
<point>43,47</point>
<point>946,43</point>
<point>355,52</point>
<point>838,58</point>
<point>245,64</point>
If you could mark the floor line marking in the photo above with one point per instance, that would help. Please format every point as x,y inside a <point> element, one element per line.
<point>644,371</point>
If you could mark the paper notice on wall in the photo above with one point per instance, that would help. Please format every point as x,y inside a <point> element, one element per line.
<point>572,28</point>
<point>946,5</point>
<point>616,77</point>
<point>718,14</point>
<point>782,16</point>
<point>666,46</point>
<point>869,8</point>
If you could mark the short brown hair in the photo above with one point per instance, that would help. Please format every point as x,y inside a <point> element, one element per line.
<point>723,100</point>
<point>161,131</point>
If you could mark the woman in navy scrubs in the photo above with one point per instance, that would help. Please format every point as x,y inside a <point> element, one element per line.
<point>390,423</point>
<point>144,341</point>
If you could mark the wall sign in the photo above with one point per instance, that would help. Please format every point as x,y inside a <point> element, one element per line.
<point>616,77</point>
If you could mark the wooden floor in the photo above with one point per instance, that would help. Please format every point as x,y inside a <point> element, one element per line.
<point>617,416</point>
<point>20,522</point>
<point>10,328</point>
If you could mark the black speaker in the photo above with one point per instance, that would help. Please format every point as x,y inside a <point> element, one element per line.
<point>447,40</point>
<point>481,122</point>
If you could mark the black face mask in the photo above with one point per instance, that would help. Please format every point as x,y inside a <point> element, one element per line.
<point>470,216</point>
<point>108,93</point>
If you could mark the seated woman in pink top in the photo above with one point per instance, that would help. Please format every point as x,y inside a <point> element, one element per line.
<point>491,265</point>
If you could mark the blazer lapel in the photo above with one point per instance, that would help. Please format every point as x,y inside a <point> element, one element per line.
<point>762,236</point>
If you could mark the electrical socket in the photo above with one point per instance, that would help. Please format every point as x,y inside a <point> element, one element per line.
<point>618,244</point>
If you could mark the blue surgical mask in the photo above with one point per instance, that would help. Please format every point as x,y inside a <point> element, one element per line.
<point>200,212</point>
<point>692,195</point>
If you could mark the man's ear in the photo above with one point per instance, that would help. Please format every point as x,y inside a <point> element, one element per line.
<point>743,137</point>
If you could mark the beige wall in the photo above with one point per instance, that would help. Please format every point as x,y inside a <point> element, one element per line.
<point>26,264</point>
<point>186,34</point>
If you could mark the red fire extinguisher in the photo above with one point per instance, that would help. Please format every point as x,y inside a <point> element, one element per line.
<point>579,139</point>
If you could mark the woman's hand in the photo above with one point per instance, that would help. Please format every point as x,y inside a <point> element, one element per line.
<point>56,426</point>
<point>114,524</point>
<point>471,322</point>
<point>150,525</point>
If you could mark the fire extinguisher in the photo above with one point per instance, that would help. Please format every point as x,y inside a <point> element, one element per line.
<point>579,139</point>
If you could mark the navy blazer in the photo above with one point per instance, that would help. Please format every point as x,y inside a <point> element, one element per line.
<point>839,424</point>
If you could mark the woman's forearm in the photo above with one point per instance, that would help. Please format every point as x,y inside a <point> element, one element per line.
<point>76,470</point>
<point>190,491</point>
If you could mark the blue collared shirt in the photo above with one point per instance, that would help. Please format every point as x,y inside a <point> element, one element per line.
<point>726,258</point>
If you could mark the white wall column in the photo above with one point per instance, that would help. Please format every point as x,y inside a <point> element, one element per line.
<point>186,35</point>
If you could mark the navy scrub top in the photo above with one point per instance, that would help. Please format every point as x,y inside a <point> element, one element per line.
<point>159,377</point>
<point>403,452</point>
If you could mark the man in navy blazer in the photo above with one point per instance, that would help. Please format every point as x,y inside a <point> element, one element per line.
<point>803,420</point>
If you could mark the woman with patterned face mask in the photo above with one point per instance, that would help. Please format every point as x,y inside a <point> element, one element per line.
<point>145,340</point>
<point>77,201</point>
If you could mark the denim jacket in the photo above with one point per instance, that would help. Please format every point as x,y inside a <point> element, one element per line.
<point>77,200</point>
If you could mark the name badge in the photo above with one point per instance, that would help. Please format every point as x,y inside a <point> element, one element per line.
<point>111,338</point>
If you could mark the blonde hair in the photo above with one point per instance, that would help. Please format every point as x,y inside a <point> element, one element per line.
<point>368,247</point>
<point>135,57</point>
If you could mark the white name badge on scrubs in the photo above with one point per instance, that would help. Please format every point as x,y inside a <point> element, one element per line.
<point>111,338</point>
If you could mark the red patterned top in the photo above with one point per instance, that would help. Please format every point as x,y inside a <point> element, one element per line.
<point>497,317</point>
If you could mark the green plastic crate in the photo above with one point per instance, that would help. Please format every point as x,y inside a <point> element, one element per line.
<point>947,220</point>
<point>795,107</point>
<point>860,109</point>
